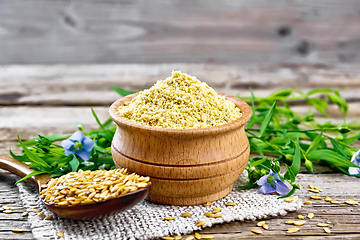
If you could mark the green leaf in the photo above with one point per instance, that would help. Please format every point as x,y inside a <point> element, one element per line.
<point>120,91</point>
<point>97,119</point>
<point>319,104</point>
<point>342,104</point>
<point>34,173</point>
<point>282,93</point>
<point>257,162</point>
<point>52,138</point>
<point>267,120</point>
<point>74,163</point>
<point>331,157</point>
<point>296,164</point>
<point>107,123</point>
<point>337,147</point>
<point>247,186</point>
<point>33,157</point>
<point>55,175</point>
<point>254,145</point>
<point>21,158</point>
<point>289,175</point>
<point>253,116</point>
<point>322,90</point>
<point>315,143</point>
<point>350,140</point>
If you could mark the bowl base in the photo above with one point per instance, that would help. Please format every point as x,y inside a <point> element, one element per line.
<point>190,200</point>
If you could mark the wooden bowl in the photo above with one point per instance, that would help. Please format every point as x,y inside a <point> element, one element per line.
<point>186,166</point>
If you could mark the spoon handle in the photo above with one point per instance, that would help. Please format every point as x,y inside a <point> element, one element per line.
<point>16,167</point>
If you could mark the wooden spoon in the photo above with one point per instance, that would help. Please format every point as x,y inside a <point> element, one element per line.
<point>79,212</point>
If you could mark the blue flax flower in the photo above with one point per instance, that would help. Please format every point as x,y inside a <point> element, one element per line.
<point>78,144</point>
<point>355,159</point>
<point>272,183</point>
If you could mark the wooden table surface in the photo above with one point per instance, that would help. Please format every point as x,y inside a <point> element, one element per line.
<point>45,100</point>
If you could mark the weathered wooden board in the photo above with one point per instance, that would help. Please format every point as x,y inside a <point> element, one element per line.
<point>237,32</point>
<point>88,85</point>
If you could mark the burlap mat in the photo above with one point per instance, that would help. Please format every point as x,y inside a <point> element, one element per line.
<point>145,220</point>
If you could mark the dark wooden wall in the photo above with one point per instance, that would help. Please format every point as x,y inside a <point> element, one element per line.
<point>241,32</point>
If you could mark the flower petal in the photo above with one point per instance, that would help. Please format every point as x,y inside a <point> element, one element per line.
<point>356,158</point>
<point>68,151</point>
<point>354,171</point>
<point>281,187</point>
<point>88,144</point>
<point>77,136</point>
<point>276,176</point>
<point>84,155</point>
<point>266,189</point>
<point>67,144</point>
<point>262,180</point>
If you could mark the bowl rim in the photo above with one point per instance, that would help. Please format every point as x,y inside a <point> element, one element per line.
<point>244,107</point>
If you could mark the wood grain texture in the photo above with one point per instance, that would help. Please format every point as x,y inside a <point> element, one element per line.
<point>184,152</point>
<point>88,85</point>
<point>234,32</point>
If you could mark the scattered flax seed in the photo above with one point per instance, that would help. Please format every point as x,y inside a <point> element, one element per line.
<point>328,199</point>
<point>260,224</point>
<point>207,237</point>
<point>207,204</point>
<point>208,214</point>
<point>24,214</point>
<point>41,214</point>
<point>7,211</point>
<point>290,222</point>
<point>313,190</point>
<point>322,224</point>
<point>48,218</point>
<point>5,207</point>
<point>327,230</point>
<point>301,217</point>
<point>351,202</point>
<point>316,197</point>
<point>169,218</point>
<point>319,189</point>
<point>308,202</point>
<point>335,202</point>
<point>312,186</point>
<point>230,204</point>
<point>293,230</point>
<point>180,102</point>
<point>310,215</point>
<point>167,238</point>
<point>288,199</point>
<point>186,214</point>
<point>17,230</point>
<point>200,223</point>
<point>258,231</point>
<point>197,236</point>
<point>219,215</point>
<point>60,234</point>
<point>299,223</point>
<point>265,226</point>
<point>178,237</point>
<point>217,210</point>
<point>189,238</point>
<point>35,210</point>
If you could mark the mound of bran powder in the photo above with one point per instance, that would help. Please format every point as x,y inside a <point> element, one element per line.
<point>181,102</point>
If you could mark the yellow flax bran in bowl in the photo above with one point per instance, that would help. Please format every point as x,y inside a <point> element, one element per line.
<point>180,102</point>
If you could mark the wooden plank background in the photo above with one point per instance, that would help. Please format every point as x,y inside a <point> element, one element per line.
<point>240,32</point>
